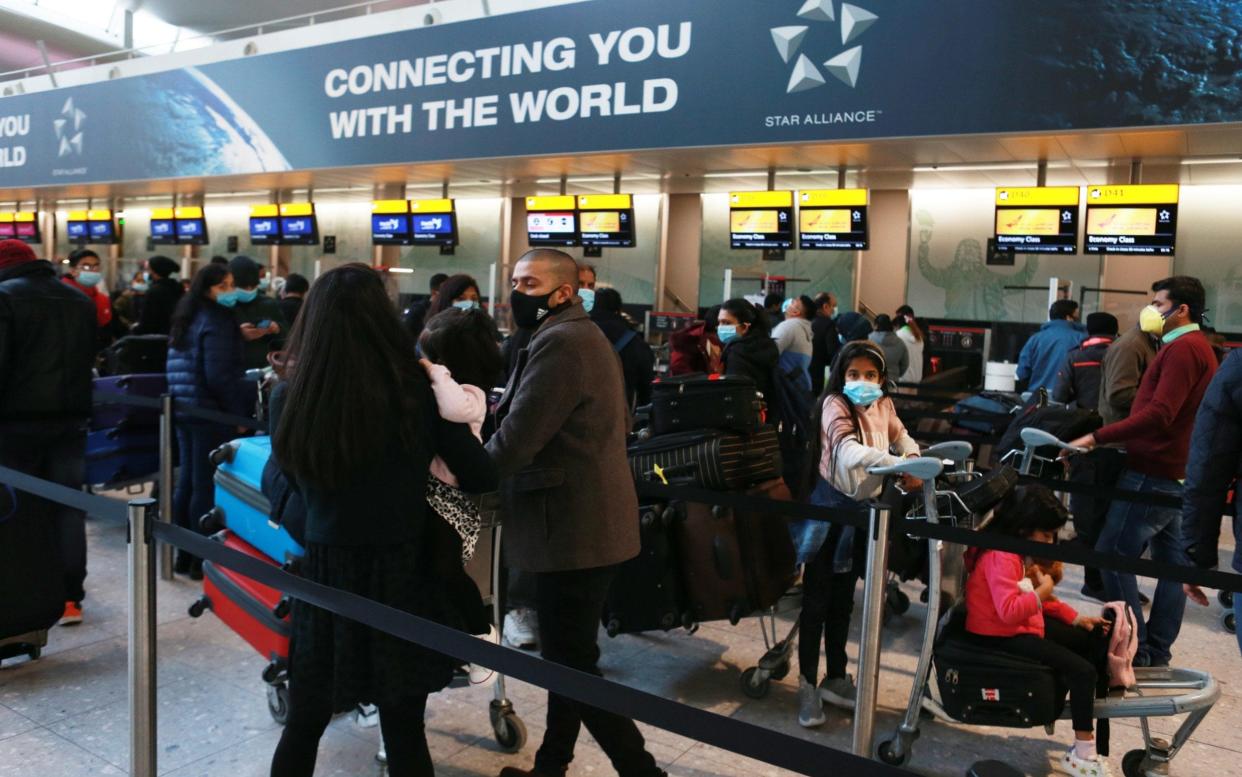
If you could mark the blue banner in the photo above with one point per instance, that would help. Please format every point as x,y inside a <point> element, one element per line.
<point>643,74</point>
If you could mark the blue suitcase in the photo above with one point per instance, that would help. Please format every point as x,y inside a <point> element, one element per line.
<point>108,416</point>
<point>240,505</point>
<point>120,455</point>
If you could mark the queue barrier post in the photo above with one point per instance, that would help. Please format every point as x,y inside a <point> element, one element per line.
<point>873,617</point>
<point>166,480</point>
<point>142,741</point>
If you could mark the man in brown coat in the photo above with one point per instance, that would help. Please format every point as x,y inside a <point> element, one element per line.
<point>569,496</point>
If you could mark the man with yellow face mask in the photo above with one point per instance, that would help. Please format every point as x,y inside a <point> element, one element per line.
<point>1156,437</point>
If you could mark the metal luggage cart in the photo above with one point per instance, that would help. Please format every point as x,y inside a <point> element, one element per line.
<point>1158,692</point>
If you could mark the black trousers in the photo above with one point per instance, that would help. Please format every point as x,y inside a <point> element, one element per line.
<point>570,605</point>
<point>1068,650</point>
<point>195,490</point>
<point>405,739</point>
<point>827,608</point>
<point>1102,468</point>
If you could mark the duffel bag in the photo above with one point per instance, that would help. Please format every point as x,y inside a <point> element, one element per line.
<point>983,687</point>
<point>1064,423</point>
<point>690,402</point>
<point>709,458</point>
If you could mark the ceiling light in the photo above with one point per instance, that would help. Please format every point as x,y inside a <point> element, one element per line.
<point>402,270</point>
<point>739,174</point>
<point>1225,160</point>
<point>970,168</point>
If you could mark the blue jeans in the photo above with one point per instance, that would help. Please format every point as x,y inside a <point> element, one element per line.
<point>808,535</point>
<point>1129,528</point>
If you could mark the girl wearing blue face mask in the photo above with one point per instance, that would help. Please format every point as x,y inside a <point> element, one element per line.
<point>748,349</point>
<point>458,291</point>
<point>859,428</point>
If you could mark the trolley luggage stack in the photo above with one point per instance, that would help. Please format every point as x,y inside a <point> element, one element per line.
<point>122,446</point>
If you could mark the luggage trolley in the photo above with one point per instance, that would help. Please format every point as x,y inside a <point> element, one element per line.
<point>1158,691</point>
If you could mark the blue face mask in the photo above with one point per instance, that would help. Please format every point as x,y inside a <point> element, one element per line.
<point>146,276</point>
<point>466,304</point>
<point>89,278</point>
<point>139,287</point>
<point>227,298</point>
<point>862,393</point>
<point>727,333</point>
<point>588,299</point>
<point>246,295</point>
<point>265,284</point>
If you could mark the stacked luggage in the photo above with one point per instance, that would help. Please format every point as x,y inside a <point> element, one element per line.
<point>123,442</point>
<point>702,562</point>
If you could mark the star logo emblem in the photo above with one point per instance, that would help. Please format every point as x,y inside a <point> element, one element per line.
<point>69,130</point>
<point>844,66</point>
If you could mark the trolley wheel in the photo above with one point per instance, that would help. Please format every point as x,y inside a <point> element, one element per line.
<point>898,601</point>
<point>197,608</point>
<point>781,672</point>
<point>35,652</point>
<point>1225,598</point>
<point>888,754</point>
<point>613,627</point>
<point>754,687</point>
<point>1132,763</point>
<point>510,732</point>
<point>1230,621</point>
<point>278,702</point>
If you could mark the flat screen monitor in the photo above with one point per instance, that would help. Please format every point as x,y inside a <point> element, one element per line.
<point>192,231</point>
<point>8,230</point>
<point>102,231</point>
<point>435,228</point>
<point>832,229</point>
<point>264,230</point>
<point>1037,219</point>
<point>607,228</point>
<point>77,231</point>
<point>761,227</point>
<point>1138,219</point>
<point>390,229</point>
<point>299,230</point>
<point>552,228</point>
<point>29,231</point>
<point>163,231</point>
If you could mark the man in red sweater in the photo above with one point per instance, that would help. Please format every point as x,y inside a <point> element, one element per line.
<point>85,275</point>
<point>1157,442</point>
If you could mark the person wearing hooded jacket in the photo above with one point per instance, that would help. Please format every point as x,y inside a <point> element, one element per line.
<point>637,358</point>
<point>163,294</point>
<point>748,349</point>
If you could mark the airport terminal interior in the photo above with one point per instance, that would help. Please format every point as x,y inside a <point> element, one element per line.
<point>960,158</point>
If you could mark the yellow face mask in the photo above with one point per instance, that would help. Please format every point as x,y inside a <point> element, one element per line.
<point>1151,321</point>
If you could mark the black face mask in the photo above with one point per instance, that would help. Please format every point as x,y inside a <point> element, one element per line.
<point>530,311</point>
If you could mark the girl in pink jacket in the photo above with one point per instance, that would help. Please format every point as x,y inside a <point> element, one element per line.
<point>1006,611</point>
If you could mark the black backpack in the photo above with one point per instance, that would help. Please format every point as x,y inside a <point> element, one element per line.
<point>1065,423</point>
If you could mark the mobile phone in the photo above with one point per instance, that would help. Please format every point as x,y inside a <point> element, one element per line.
<point>264,324</point>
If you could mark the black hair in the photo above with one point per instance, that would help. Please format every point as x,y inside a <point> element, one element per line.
<point>608,299</point>
<point>82,253</point>
<point>354,382</point>
<point>451,289</point>
<point>883,323</point>
<point>905,310</point>
<point>746,313</point>
<point>296,284</point>
<point>712,319</point>
<point>1062,309</point>
<point>245,272</point>
<point>808,306</point>
<point>822,298</point>
<point>162,266</point>
<point>1028,509</point>
<point>773,301</point>
<point>194,300</point>
<point>438,280</point>
<point>220,260</point>
<point>465,342</point>
<point>1100,323</point>
<point>1184,290</point>
<point>834,391</point>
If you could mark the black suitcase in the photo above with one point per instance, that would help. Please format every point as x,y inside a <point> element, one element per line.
<point>713,401</point>
<point>647,594</point>
<point>1065,423</point>
<point>136,354</point>
<point>119,456</point>
<point>709,458</point>
<point>108,416</point>
<point>32,597</point>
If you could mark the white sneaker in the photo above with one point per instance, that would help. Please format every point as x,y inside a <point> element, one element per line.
<point>366,716</point>
<point>481,676</point>
<point>1081,767</point>
<point>522,629</point>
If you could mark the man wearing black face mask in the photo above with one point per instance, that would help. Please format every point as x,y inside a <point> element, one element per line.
<point>571,506</point>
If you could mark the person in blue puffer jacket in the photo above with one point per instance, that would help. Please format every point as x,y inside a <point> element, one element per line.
<point>205,370</point>
<point>1215,463</point>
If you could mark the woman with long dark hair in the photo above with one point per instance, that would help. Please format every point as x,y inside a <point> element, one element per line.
<point>858,426</point>
<point>748,348</point>
<point>357,433</point>
<point>911,334</point>
<point>204,369</point>
<point>459,291</point>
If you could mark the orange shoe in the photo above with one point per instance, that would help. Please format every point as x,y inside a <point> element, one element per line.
<point>73,614</point>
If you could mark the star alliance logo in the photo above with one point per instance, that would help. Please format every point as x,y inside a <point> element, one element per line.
<point>844,66</point>
<point>70,139</point>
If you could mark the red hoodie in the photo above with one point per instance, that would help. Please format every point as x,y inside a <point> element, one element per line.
<point>103,305</point>
<point>1000,600</point>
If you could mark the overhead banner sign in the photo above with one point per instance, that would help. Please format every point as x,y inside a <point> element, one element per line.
<point>605,76</point>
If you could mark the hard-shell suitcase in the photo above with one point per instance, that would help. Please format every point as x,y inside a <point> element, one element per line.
<point>119,455</point>
<point>239,501</point>
<point>107,416</point>
<point>256,613</point>
<point>136,354</point>
<point>688,402</point>
<point>32,594</point>
<point>647,593</point>
<point>735,562</point>
<point>709,458</point>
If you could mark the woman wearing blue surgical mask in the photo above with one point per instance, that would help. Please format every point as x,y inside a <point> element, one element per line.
<point>858,429</point>
<point>204,370</point>
<point>748,349</point>
<point>458,291</point>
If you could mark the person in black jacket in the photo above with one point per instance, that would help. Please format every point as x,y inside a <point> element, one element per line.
<point>205,370</point>
<point>291,296</point>
<point>1215,463</point>
<point>47,349</point>
<point>1078,380</point>
<point>163,293</point>
<point>263,324</point>
<point>748,348</point>
<point>824,340</point>
<point>637,358</point>
<point>358,432</point>
<point>415,315</point>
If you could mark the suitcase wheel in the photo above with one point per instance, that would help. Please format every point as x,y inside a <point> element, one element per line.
<point>1230,621</point>
<point>281,610</point>
<point>278,702</point>
<point>755,684</point>
<point>200,604</point>
<point>648,520</point>
<point>687,622</point>
<point>736,613</point>
<point>223,453</point>
<point>274,672</point>
<point>719,511</point>
<point>613,627</point>
<point>1225,598</point>
<point>212,520</point>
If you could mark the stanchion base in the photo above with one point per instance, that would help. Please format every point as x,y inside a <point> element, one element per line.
<point>993,769</point>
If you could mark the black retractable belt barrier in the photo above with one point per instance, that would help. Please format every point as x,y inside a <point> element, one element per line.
<point>98,506</point>
<point>184,407</point>
<point>112,398</point>
<point>1102,492</point>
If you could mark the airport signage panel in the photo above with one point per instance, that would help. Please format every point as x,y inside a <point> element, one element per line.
<point>761,219</point>
<point>1132,219</point>
<point>1037,219</point>
<point>832,219</point>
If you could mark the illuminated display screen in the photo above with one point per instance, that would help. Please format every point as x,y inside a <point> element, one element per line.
<point>435,229</point>
<point>77,230</point>
<point>192,231</point>
<point>607,228</point>
<point>1138,219</point>
<point>761,228</point>
<point>299,230</point>
<point>1037,219</point>
<point>264,230</point>
<point>839,229</point>
<point>552,228</point>
<point>163,231</point>
<point>390,229</point>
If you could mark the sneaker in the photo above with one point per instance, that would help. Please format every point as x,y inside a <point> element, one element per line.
<point>73,614</point>
<point>366,716</point>
<point>522,629</point>
<point>1081,767</point>
<point>839,692</point>
<point>481,675</point>
<point>810,707</point>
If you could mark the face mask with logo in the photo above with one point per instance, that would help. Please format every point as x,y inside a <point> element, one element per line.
<point>89,278</point>
<point>727,333</point>
<point>529,311</point>
<point>862,392</point>
<point>588,299</point>
<point>227,298</point>
<point>1151,320</point>
<point>246,295</point>
<point>466,304</point>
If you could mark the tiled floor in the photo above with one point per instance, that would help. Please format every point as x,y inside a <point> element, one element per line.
<point>66,715</point>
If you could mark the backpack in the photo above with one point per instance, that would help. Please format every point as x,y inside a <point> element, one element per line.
<point>1066,423</point>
